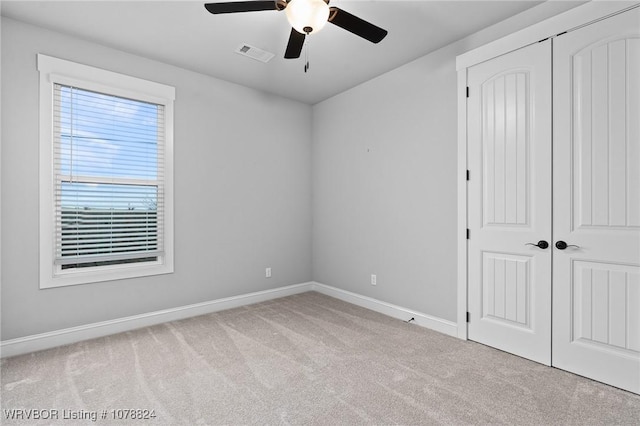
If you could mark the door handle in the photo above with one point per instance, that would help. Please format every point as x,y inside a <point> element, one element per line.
<point>541,244</point>
<point>561,245</point>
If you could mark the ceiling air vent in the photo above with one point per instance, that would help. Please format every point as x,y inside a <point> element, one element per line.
<point>254,53</point>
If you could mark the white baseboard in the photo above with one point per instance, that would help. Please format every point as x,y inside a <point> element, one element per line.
<point>423,320</point>
<point>38,342</point>
<point>52,339</point>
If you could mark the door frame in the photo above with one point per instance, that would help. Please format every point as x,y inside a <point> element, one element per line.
<point>564,22</point>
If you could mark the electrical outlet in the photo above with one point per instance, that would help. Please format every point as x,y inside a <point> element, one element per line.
<point>267,273</point>
<point>373,279</point>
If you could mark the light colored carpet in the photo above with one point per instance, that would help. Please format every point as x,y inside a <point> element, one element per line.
<point>304,359</point>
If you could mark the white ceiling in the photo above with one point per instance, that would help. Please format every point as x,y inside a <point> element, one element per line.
<point>183,33</point>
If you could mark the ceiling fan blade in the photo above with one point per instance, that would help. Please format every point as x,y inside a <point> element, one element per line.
<point>357,26</point>
<point>240,6</point>
<point>294,47</point>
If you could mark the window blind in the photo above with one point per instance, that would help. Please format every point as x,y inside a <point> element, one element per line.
<point>108,165</point>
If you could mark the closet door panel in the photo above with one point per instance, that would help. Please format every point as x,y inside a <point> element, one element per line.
<point>605,134</point>
<point>596,189</point>
<point>509,122</point>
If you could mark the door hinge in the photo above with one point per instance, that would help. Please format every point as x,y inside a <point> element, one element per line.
<point>468,233</point>
<point>468,317</point>
<point>467,174</point>
<point>467,91</point>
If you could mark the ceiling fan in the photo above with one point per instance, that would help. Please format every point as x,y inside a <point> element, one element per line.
<point>306,17</point>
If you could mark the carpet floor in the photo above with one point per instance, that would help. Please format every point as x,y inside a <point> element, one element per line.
<point>303,359</point>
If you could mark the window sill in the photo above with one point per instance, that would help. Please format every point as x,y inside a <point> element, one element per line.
<point>101,274</point>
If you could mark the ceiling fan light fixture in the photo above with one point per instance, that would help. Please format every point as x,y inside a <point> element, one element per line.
<point>307,16</point>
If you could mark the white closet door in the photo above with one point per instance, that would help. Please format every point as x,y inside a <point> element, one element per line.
<point>509,152</point>
<point>596,286</point>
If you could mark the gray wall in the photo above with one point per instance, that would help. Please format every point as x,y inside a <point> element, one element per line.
<point>242,199</point>
<point>384,187</point>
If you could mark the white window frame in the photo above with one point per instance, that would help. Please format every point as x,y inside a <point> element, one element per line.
<point>53,70</point>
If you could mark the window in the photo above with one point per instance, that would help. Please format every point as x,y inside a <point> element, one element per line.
<point>106,182</point>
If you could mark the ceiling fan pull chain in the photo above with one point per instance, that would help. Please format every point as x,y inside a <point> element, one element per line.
<point>306,56</point>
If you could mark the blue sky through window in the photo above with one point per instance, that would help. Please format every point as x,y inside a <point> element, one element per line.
<point>110,138</point>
